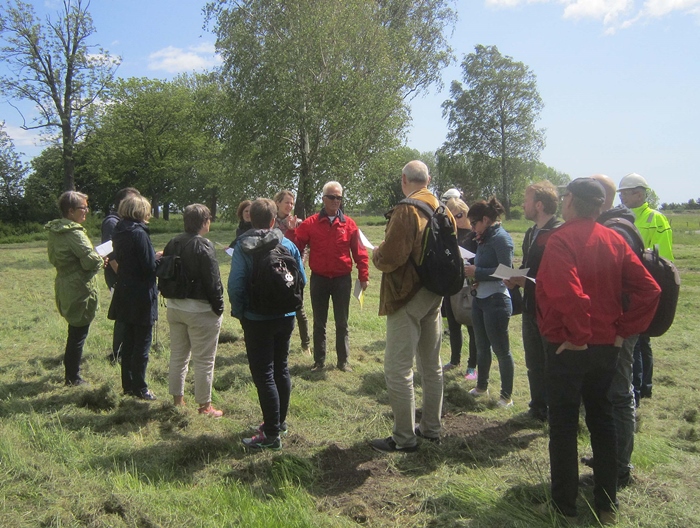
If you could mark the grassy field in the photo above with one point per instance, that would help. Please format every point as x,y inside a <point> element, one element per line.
<point>89,457</point>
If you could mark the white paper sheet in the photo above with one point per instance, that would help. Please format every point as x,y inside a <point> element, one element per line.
<point>466,254</point>
<point>359,293</point>
<point>504,272</point>
<point>104,249</point>
<point>365,241</point>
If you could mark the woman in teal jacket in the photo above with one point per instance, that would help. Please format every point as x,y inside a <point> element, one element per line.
<point>77,264</point>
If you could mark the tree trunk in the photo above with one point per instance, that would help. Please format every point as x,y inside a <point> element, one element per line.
<point>155,206</point>
<point>68,160</point>
<point>166,211</point>
<point>305,201</point>
<point>212,203</point>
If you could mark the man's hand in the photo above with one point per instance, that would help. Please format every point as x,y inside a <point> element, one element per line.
<point>364,284</point>
<point>570,346</point>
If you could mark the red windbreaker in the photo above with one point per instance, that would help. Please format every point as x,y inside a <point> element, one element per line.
<point>586,268</point>
<point>332,245</point>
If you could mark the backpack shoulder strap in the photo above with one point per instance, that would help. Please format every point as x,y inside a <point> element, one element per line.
<point>420,204</point>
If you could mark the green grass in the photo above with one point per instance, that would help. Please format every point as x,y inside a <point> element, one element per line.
<point>91,457</point>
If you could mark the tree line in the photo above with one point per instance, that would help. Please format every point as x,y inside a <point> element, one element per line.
<point>306,93</point>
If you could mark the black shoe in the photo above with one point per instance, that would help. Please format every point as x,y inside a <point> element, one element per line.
<point>624,481</point>
<point>146,395</point>
<point>387,445</point>
<point>113,359</point>
<point>587,461</point>
<point>419,434</point>
<point>318,367</point>
<point>76,382</point>
<point>539,415</point>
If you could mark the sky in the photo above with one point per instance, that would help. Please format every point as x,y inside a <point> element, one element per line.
<point>619,78</point>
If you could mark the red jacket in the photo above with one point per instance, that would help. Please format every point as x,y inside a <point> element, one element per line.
<point>586,267</point>
<point>332,245</point>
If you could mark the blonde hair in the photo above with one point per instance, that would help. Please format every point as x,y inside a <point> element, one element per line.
<point>135,207</point>
<point>457,205</point>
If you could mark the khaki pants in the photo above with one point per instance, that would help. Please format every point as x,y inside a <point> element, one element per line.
<point>194,335</point>
<point>414,331</point>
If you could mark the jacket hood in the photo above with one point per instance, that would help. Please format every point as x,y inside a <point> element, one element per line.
<point>257,240</point>
<point>620,211</point>
<point>127,225</point>
<point>63,225</point>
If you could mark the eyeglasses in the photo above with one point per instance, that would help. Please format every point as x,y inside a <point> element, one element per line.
<point>332,197</point>
<point>459,215</point>
<point>83,207</point>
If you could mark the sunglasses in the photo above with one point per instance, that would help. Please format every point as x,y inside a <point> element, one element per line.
<point>333,197</point>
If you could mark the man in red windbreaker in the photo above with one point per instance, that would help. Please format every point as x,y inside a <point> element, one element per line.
<point>586,269</point>
<point>334,242</point>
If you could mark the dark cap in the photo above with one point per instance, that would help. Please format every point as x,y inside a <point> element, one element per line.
<point>587,189</point>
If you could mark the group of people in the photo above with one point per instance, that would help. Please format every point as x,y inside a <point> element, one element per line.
<point>589,300</point>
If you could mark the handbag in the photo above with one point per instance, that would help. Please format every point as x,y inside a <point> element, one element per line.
<point>516,299</point>
<point>461,304</point>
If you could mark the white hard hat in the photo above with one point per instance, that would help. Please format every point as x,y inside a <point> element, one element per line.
<point>450,193</point>
<point>632,181</point>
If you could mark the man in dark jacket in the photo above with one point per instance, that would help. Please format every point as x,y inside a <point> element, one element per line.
<point>540,206</point>
<point>108,224</point>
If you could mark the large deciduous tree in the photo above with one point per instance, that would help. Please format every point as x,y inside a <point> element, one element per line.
<point>52,66</point>
<point>319,88</point>
<point>492,117</point>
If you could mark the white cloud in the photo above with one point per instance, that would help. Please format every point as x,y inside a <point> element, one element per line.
<point>21,137</point>
<point>615,14</point>
<point>177,60</point>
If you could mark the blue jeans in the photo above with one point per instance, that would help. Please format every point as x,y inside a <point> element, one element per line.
<point>491,317</point>
<point>573,376</point>
<point>643,368</point>
<point>535,359</point>
<point>622,398</point>
<point>267,347</point>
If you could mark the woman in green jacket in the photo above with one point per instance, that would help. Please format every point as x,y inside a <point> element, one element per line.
<point>77,264</point>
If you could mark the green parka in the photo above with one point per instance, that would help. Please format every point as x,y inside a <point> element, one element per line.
<point>77,264</point>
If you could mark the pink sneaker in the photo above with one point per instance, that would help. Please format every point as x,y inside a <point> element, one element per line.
<point>471,374</point>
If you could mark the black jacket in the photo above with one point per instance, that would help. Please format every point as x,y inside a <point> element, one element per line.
<point>108,224</point>
<point>201,268</point>
<point>533,249</point>
<point>135,299</point>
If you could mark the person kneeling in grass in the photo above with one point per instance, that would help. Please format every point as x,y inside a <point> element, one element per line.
<point>266,335</point>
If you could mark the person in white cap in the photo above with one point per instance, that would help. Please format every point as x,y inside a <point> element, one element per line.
<point>450,193</point>
<point>656,231</point>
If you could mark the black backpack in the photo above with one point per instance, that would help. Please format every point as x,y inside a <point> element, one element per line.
<point>664,272</point>
<point>172,279</point>
<point>276,285</point>
<point>440,268</point>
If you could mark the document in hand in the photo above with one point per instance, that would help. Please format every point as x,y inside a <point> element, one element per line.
<point>104,249</point>
<point>504,272</point>
<point>365,241</point>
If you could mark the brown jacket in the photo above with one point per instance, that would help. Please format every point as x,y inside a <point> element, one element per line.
<point>402,240</point>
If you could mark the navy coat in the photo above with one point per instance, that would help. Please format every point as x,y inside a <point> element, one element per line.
<point>135,299</point>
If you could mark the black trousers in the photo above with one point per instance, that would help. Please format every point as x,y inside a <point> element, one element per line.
<point>323,289</point>
<point>74,351</point>
<point>135,349</point>
<point>573,376</point>
<point>267,347</point>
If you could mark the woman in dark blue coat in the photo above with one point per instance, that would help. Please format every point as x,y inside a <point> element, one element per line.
<point>135,299</point>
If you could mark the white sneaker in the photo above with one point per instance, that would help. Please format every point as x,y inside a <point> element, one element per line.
<point>478,392</point>
<point>503,403</point>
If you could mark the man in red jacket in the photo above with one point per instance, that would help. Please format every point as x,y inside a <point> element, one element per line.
<point>586,269</point>
<point>334,242</point>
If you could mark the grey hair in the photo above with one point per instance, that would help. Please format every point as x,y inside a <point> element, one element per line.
<point>416,172</point>
<point>332,184</point>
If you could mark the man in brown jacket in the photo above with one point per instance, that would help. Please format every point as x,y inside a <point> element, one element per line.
<point>413,323</point>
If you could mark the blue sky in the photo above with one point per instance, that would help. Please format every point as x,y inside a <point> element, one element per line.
<point>619,78</point>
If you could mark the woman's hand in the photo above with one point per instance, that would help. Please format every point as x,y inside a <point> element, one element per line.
<point>470,270</point>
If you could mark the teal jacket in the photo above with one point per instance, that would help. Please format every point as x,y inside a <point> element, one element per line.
<point>655,229</point>
<point>77,264</point>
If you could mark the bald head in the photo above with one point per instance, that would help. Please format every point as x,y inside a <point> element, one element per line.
<point>610,190</point>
